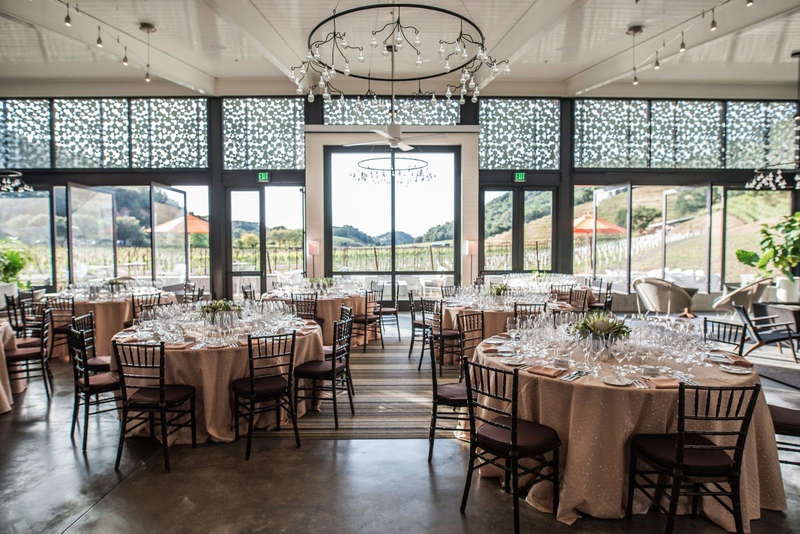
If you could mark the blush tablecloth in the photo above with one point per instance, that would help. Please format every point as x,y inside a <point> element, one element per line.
<point>596,423</point>
<point>110,317</point>
<point>8,341</point>
<point>211,372</point>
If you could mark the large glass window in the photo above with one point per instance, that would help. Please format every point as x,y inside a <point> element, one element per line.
<point>498,230</point>
<point>538,230</point>
<point>759,133</point>
<point>169,132</point>
<point>25,227</point>
<point>612,133</point>
<point>419,216</point>
<point>169,235</point>
<point>284,214</point>
<point>647,237</point>
<point>91,216</point>
<point>198,228</point>
<point>686,236</point>
<point>134,253</point>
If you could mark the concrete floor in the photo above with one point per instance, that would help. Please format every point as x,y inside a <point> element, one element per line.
<point>48,485</point>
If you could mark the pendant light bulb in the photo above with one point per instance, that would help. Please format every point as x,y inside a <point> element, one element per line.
<point>713,21</point>
<point>99,39</point>
<point>125,58</point>
<point>657,65</point>
<point>748,3</point>
<point>67,19</point>
<point>683,44</point>
<point>635,77</point>
<point>147,73</point>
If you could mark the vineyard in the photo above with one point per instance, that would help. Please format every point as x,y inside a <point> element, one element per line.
<point>416,257</point>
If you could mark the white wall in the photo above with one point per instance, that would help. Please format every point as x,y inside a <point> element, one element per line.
<point>318,137</point>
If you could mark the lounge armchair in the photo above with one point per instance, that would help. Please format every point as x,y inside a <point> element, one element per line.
<point>744,296</point>
<point>660,296</point>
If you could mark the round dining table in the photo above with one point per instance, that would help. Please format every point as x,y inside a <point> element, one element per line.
<point>596,423</point>
<point>328,309</point>
<point>212,371</point>
<point>110,316</point>
<point>8,341</point>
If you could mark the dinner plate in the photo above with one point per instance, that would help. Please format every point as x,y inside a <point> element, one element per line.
<point>494,341</point>
<point>735,370</point>
<point>216,345</point>
<point>513,362</point>
<point>615,381</point>
<point>717,358</point>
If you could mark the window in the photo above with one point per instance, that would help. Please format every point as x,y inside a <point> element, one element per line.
<point>91,133</point>
<point>134,252</point>
<point>375,111</point>
<point>498,232</point>
<point>263,133</point>
<point>538,209</point>
<point>25,134</point>
<point>284,219</point>
<point>197,223</point>
<point>25,226</point>
<point>519,133</point>
<point>647,239</point>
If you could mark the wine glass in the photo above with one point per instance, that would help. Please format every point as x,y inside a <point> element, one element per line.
<point>511,327</point>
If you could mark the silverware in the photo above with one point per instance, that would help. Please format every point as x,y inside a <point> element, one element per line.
<point>577,375</point>
<point>197,346</point>
<point>568,377</point>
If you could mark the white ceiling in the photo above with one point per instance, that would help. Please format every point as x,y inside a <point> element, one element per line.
<point>557,47</point>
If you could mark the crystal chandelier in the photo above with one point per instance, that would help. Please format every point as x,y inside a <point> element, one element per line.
<point>403,170</point>
<point>771,176</point>
<point>10,182</point>
<point>459,51</point>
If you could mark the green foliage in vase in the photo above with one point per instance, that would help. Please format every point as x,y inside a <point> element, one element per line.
<point>780,248</point>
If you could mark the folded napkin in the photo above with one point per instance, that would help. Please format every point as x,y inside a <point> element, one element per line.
<point>733,358</point>
<point>130,329</point>
<point>126,340</point>
<point>311,322</point>
<point>490,349</point>
<point>304,332</point>
<point>178,346</point>
<point>242,342</point>
<point>503,335</point>
<point>664,383</point>
<point>543,370</point>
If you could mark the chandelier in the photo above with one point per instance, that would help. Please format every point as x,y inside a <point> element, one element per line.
<point>771,176</point>
<point>403,170</point>
<point>461,49</point>
<point>10,182</point>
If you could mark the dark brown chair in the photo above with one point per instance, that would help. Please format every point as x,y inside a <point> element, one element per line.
<point>527,310</point>
<point>448,401</point>
<point>16,313</point>
<point>248,293</point>
<point>88,384</point>
<point>497,436</point>
<point>140,303</point>
<point>603,297</point>
<point>725,333</point>
<point>34,362</point>
<point>562,292</point>
<point>419,330</point>
<point>305,306</point>
<point>769,333</point>
<point>335,368</point>
<point>470,333</point>
<point>63,310</point>
<point>577,299</point>
<point>445,340</point>
<point>371,319</point>
<point>191,293</point>
<point>345,313</point>
<point>693,458</point>
<point>94,363</point>
<point>26,295</point>
<point>147,398</point>
<point>268,386</point>
<point>448,292</point>
<point>787,423</point>
<point>390,314</point>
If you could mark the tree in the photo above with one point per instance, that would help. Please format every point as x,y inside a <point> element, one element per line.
<point>198,240</point>
<point>248,240</point>
<point>640,220</point>
<point>130,231</point>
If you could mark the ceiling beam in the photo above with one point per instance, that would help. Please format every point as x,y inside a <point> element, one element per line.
<point>618,66</point>
<point>49,16</point>
<point>244,15</point>
<point>541,17</point>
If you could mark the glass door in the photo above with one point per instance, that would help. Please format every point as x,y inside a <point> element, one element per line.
<point>170,238</point>
<point>91,232</point>
<point>26,227</point>
<point>685,236</point>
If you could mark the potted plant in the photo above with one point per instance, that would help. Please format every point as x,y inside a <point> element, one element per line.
<point>12,262</point>
<point>780,250</point>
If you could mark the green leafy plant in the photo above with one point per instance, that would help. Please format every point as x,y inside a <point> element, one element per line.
<point>12,262</point>
<point>602,324</point>
<point>499,289</point>
<point>215,306</point>
<point>780,248</point>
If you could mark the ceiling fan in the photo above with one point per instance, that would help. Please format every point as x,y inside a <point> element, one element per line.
<point>392,133</point>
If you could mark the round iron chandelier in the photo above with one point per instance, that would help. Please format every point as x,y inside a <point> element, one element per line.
<point>403,170</point>
<point>11,182</point>
<point>337,46</point>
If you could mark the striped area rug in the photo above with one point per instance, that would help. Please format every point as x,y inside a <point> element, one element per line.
<point>392,400</point>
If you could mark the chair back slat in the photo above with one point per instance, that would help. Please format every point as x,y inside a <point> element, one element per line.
<point>79,354</point>
<point>85,324</point>
<point>373,302</point>
<point>749,325</point>
<point>723,413</point>
<point>141,366</point>
<point>448,292</point>
<point>432,310</point>
<point>413,306</point>
<point>722,332</point>
<point>62,308</point>
<point>248,293</point>
<point>345,313</point>
<point>486,383</point>
<point>14,311</point>
<point>271,356</point>
<point>140,303</point>
<point>524,310</point>
<point>562,292</point>
<point>470,330</point>
<point>577,298</point>
<point>305,305</point>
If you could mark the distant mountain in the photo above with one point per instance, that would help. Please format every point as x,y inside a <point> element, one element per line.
<point>401,238</point>
<point>440,232</point>
<point>355,236</point>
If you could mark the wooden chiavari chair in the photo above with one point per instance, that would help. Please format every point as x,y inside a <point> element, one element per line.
<point>419,330</point>
<point>370,320</point>
<point>525,310</point>
<point>140,303</point>
<point>391,313</point>
<point>34,362</point>
<point>63,310</point>
<point>94,363</point>
<point>445,339</point>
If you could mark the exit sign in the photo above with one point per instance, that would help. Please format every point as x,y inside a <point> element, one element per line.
<point>519,176</point>
<point>263,177</point>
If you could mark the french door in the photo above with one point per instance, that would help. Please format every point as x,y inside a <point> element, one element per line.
<point>265,236</point>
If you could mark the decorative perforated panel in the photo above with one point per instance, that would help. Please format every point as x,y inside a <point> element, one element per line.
<point>686,134</point>
<point>759,134</point>
<point>375,111</point>
<point>91,133</point>
<point>25,134</point>
<point>263,133</point>
<point>612,134</point>
<point>519,133</point>
<point>169,133</point>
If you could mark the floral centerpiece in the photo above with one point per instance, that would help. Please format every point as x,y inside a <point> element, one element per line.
<point>114,285</point>
<point>498,289</point>
<point>602,325</point>
<point>213,307</point>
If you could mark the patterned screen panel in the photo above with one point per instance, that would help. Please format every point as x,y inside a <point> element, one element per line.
<point>25,134</point>
<point>759,134</point>
<point>686,134</point>
<point>612,134</point>
<point>263,133</point>
<point>519,133</point>
<point>91,133</point>
<point>375,111</point>
<point>169,133</point>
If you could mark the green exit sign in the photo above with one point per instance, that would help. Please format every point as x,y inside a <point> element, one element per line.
<point>263,177</point>
<point>519,176</point>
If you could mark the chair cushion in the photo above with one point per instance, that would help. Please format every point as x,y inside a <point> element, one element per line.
<point>775,336</point>
<point>388,311</point>
<point>420,324</point>
<point>317,369</point>
<point>361,318</point>
<point>62,330</point>
<point>786,420</point>
<point>532,438</point>
<point>445,332</point>
<point>452,394</point>
<point>101,382</point>
<point>662,448</point>
<point>265,387</point>
<point>327,350</point>
<point>99,363</point>
<point>20,355</point>
<point>148,398</point>
<point>28,342</point>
